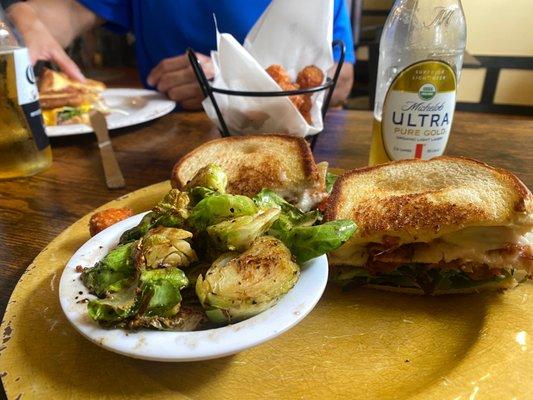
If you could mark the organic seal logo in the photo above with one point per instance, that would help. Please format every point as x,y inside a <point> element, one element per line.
<point>30,76</point>
<point>427,91</point>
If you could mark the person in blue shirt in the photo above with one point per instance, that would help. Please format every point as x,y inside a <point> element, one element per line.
<point>163,30</point>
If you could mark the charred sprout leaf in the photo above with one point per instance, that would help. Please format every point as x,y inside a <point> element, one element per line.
<point>290,216</point>
<point>114,272</point>
<point>187,319</point>
<point>215,209</point>
<point>172,211</point>
<point>160,290</point>
<point>237,234</point>
<point>196,270</point>
<point>165,247</point>
<point>116,307</point>
<point>330,181</point>
<point>174,202</point>
<point>281,228</point>
<point>197,194</point>
<point>239,286</point>
<point>307,242</point>
<point>267,198</point>
<point>211,177</point>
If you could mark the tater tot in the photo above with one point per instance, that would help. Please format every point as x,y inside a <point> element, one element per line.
<point>105,218</point>
<point>302,102</point>
<point>279,74</point>
<point>305,109</point>
<point>296,100</point>
<point>309,77</point>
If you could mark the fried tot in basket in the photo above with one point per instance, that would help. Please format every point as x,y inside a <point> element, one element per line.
<point>302,102</point>
<point>310,77</point>
<point>279,74</point>
<point>105,218</point>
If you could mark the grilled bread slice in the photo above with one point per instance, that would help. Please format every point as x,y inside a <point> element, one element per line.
<point>447,225</point>
<point>282,163</point>
<point>417,200</point>
<point>52,81</point>
<point>65,101</point>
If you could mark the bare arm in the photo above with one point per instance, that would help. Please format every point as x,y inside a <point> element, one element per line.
<point>344,85</point>
<point>49,25</point>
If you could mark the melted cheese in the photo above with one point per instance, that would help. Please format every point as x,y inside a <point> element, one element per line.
<point>50,116</point>
<point>472,244</point>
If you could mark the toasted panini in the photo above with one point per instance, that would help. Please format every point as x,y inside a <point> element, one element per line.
<point>53,81</point>
<point>65,101</point>
<point>450,219</point>
<point>417,199</point>
<point>282,163</point>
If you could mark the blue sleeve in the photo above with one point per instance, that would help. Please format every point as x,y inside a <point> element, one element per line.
<point>116,13</point>
<point>342,29</point>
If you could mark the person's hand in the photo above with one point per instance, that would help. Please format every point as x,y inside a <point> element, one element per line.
<point>40,42</point>
<point>175,77</point>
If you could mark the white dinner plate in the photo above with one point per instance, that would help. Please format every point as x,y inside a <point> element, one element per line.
<point>184,346</point>
<point>141,105</point>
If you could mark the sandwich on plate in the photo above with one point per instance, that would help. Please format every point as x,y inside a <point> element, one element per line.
<point>284,164</point>
<point>65,101</point>
<point>447,225</point>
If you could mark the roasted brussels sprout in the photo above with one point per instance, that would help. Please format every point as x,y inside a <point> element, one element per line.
<point>197,194</point>
<point>211,177</point>
<point>307,242</point>
<point>172,211</point>
<point>114,272</point>
<point>267,198</point>
<point>239,286</point>
<point>290,216</point>
<point>187,319</point>
<point>165,247</point>
<point>160,291</point>
<point>217,208</point>
<point>116,307</point>
<point>196,270</point>
<point>237,234</point>
<point>155,294</point>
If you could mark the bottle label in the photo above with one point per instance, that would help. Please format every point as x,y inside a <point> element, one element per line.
<point>418,111</point>
<point>28,96</point>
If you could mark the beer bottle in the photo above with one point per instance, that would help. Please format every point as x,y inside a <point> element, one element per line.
<point>420,60</point>
<point>24,146</point>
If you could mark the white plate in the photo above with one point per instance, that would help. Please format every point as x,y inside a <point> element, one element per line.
<point>142,105</point>
<point>184,346</point>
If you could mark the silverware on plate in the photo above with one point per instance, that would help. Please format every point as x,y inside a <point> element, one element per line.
<point>113,174</point>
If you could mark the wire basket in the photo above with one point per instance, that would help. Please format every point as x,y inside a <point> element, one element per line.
<point>209,90</point>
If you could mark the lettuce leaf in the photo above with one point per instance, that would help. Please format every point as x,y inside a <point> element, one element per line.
<point>416,276</point>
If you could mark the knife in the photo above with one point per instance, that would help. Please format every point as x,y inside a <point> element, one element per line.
<point>113,175</point>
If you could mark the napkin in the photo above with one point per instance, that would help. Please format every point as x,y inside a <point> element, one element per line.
<point>292,33</point>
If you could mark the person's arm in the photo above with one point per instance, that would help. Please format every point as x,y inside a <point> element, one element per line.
<point>342,29</point>
<point>344,84</point>
<point>49,25</point>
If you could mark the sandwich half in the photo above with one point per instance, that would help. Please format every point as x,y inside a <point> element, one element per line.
<point>65,101</point>
<point>282,163</point>
<point>446,225</point>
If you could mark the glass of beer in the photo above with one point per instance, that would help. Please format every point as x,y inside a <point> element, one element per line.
<point>24,146</point>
